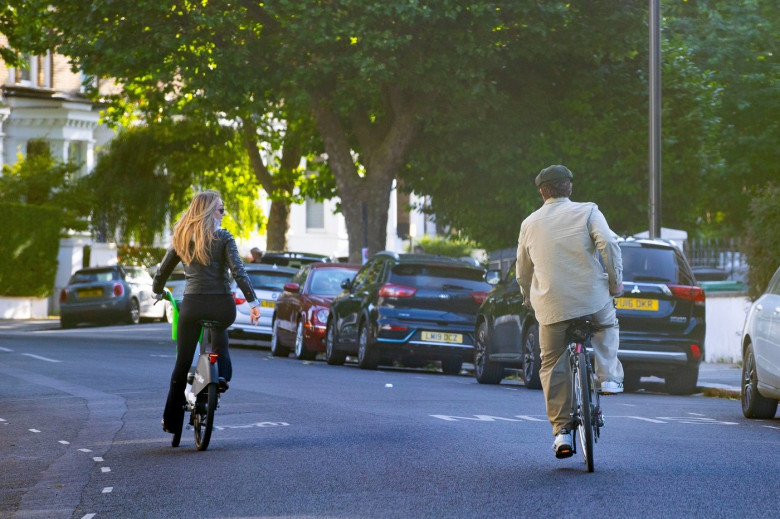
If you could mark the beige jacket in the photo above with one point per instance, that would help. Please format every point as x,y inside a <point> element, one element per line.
<point>558,265</point>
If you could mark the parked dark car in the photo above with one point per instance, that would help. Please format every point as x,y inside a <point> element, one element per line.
<point>109,294</point>
<point>507,335</point>
<point>292,259</point>
<point>412,308</point>
<point>661,315</point>
<point>761,354</point>
<point>268,282</point>
<point>301,313</point>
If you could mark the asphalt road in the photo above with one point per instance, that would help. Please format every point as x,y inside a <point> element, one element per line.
<point>80,438</point>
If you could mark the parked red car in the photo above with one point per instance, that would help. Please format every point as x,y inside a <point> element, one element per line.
<point>301,313</point>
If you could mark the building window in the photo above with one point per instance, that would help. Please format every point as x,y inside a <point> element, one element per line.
<point>315,214</point>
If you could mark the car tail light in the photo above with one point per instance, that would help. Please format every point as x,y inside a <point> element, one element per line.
<point>238,299</point>
<point>213,358</point>
<point>118,289</point>
<point>63,296</point>
<point>479,297</point>
<point>688,293</point>
<point>695,351</point>
<point>391,290</point>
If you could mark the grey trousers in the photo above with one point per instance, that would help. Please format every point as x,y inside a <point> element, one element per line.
<point>555,372</point>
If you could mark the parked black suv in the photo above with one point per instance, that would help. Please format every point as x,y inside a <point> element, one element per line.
<point>411,308</point>
<point>661,315</point>
<point>507,335</point>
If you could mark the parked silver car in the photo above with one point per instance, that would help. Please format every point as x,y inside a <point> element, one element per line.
<point>761,354</point>
<point>113,293</point>
<point>175,284</point>
<point>268,282</point>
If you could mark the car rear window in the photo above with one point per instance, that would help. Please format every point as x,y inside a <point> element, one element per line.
<point>649,264</point>
<point>95,276</point>
<point>269,280</point>
<point>437,277</point>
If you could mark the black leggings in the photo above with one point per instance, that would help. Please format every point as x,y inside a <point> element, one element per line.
<point>193,309</point>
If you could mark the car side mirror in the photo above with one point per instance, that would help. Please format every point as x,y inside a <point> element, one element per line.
<point>346,284</point>
<point>492,277</point>
<point>292,287</point>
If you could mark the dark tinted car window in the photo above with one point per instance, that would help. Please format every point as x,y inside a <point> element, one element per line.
<point>437,277</point>
<point>94,276</point>
<point>374,274</point>
<point>269,280</point>
<point>649,264</point>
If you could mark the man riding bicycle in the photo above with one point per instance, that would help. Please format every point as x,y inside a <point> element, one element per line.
<point>559,272</point>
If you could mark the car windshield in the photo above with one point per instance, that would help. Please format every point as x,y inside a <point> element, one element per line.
<point>438,277</point>
<point>94,276</point>
<point>269,280</point>
<point>327,282</point>
<point>649,264</point>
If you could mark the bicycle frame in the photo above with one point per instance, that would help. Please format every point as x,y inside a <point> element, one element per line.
<point>586,409</point>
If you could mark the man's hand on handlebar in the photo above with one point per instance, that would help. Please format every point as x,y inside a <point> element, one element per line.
<point>254,315</point>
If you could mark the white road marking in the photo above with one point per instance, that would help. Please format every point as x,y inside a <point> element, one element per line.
<point>105,469</point>
<point>6,349</point>
<point>651,420</point>
<point>34,430</point>
<point>85,450</point>
<point>88,516</point>
<point>108,490</point>
<point>40,358</point>
<point>98,459</point>
<point>64,442</point>
<point>529,418</point>
<point>251,425</point>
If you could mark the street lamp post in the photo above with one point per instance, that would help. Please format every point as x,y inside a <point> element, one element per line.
<point>655,120</point>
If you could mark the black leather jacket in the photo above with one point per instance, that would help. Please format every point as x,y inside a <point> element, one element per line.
<point>213,278</point>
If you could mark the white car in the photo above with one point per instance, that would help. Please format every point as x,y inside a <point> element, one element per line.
<point>175,284</point>
<point>268,282</point>
<point>761,354</point>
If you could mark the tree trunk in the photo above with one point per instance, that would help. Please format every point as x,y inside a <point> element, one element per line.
<point>278,225</point>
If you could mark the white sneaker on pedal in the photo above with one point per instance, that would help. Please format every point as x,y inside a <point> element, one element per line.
<point>563,444</point>
<point>610,387</point>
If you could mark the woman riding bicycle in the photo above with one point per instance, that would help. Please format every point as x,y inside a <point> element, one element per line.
<point>207,252</point>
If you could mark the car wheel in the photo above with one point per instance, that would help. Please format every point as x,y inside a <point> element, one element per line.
<point>301,352</point>
<point>134,312</point>
<point>754,405</point>
<point>277,350</point>
<point>683,382</point>
<point>67,322</point>
<point>333,356</point>
<point>368,356</point>
<point>532,358</point>
<point>451,365</point>
<point>485,371</point>
<point>631,381</point>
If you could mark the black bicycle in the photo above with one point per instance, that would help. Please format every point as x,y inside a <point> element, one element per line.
<point>586,408</point>
<point>202,391</point>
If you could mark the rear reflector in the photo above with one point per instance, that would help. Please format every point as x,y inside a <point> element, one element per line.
<point>213,357</point>
<point>695,351</point>
<point>479,297</point>
<point>238,299</point>
<point>63,296</point>
<point>118,289</point>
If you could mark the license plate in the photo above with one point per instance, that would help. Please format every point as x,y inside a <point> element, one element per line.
<point>267,304</point>
<point>95,292</point>
<point>456,338</point>
<point>628,303</point>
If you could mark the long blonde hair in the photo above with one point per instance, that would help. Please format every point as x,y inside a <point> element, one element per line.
<point>194,232</point>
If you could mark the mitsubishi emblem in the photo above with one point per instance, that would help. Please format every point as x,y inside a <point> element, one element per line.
<point>636,290</point>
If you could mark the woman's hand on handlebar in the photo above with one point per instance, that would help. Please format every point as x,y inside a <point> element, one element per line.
<point>254,315</point>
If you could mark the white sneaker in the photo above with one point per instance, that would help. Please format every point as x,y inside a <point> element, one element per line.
<point>610,387</point>
<point>562,444</point>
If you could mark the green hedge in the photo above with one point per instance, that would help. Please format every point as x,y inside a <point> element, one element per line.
<point>29,244</point>
<point>763,239</point>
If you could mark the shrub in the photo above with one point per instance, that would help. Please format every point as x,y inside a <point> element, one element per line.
<point>762,246</point>
<point>29,245</point>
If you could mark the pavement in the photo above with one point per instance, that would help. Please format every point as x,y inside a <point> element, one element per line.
<point>715,378</point>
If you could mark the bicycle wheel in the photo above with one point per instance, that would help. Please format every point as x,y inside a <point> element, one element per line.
<point>585,422</point>
<point>203,420</point>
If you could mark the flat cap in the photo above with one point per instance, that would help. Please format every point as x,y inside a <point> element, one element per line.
<point>550,173</point>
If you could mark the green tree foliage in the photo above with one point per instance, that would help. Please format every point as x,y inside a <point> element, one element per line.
<point>40,180</point>
<point>762,239</point>
<point>148,175</point>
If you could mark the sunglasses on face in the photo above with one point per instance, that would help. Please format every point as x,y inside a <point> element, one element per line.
<point>221,210</point>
